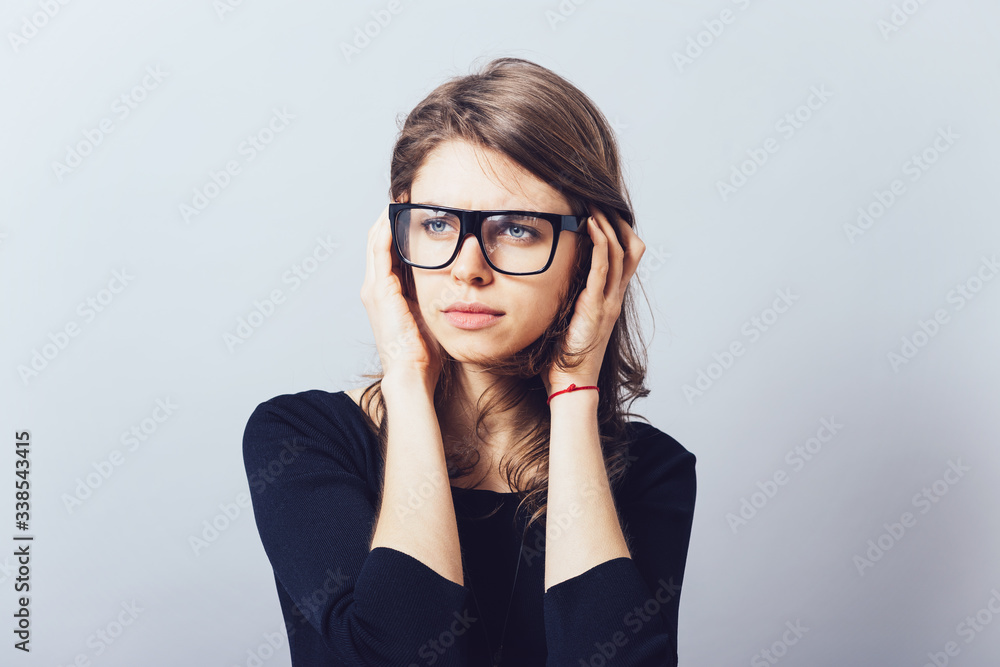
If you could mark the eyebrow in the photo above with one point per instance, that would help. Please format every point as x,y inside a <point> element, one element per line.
<point>431,203</point>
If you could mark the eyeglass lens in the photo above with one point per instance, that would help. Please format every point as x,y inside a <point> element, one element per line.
<point>515,243</point>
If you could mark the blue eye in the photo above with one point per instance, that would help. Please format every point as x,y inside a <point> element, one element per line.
<point>430,225</point>
<point>515,231</point>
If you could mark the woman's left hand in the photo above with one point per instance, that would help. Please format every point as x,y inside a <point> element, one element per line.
<point>600,303</point>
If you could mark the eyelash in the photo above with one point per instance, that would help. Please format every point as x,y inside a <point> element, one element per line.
<point>530,232</point>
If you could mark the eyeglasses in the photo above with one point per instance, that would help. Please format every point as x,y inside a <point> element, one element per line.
<point>517,243</point>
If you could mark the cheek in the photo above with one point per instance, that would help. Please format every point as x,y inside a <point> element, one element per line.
<point>541,308</point>
<point>420,290</point>
<point>432,293</point>
<point>568,268</point>
<point>545,302</point>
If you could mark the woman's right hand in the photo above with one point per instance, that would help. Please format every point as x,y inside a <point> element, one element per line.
<point>406,347</point>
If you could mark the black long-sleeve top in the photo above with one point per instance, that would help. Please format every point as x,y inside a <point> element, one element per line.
<point>313,466</point>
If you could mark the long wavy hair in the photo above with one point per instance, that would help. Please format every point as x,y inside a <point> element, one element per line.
<point>546,125</point>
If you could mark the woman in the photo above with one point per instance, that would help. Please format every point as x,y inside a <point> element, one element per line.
<point>485,501</point>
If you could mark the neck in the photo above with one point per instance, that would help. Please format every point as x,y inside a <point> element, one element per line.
<point>470,385</point>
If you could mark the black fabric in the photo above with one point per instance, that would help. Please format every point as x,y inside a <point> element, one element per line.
<point>313,466</point>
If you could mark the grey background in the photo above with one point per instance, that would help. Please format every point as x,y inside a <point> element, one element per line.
<point>711,265</point>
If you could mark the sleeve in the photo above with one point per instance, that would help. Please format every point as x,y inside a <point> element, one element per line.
<point>625,609</point>
<point>315,513</point>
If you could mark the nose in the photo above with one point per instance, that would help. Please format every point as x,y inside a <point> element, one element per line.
<point>470,262</point>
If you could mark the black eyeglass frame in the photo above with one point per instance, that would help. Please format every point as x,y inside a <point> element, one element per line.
<point>471,222</point>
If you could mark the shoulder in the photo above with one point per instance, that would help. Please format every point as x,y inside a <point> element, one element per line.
<point>314,421</point>
<point>369,409</point>
<point>311,408</point>
<point>646,440</point>
<point>658,464</point>
<point>355,394</point>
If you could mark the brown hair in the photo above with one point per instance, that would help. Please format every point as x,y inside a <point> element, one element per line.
<point>546,125</point>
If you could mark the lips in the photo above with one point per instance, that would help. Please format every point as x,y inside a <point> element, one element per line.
<point>466,320</point>
<point>471,316</point>
<point>476,307</point>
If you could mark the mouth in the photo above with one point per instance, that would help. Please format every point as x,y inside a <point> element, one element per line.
<point>466,320</point>
<point>472,315</point>
<point>475,307</point>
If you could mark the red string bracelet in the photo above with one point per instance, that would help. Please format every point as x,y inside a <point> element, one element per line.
<point>572,387</point>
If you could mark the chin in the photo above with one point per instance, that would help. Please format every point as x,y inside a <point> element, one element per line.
<point>481,350</point>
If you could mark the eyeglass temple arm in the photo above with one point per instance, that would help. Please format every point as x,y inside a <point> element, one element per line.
<point>572,223</point>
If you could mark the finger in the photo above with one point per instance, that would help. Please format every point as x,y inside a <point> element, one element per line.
<point>373,235</point>
<point>620,254</point>
<point>615,255</point>
<point>382,255</point>
<point>634,250</point>
<point>395,261</point>
<point>599,262</point>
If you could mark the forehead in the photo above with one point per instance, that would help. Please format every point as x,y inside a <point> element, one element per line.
<point>460,175</point>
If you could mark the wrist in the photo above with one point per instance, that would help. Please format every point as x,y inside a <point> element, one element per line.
<point>407,382</point>
<point>563,381</point>
<point>582,391</point>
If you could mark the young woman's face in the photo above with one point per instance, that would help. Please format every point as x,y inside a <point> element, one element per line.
<point>452,176</point>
